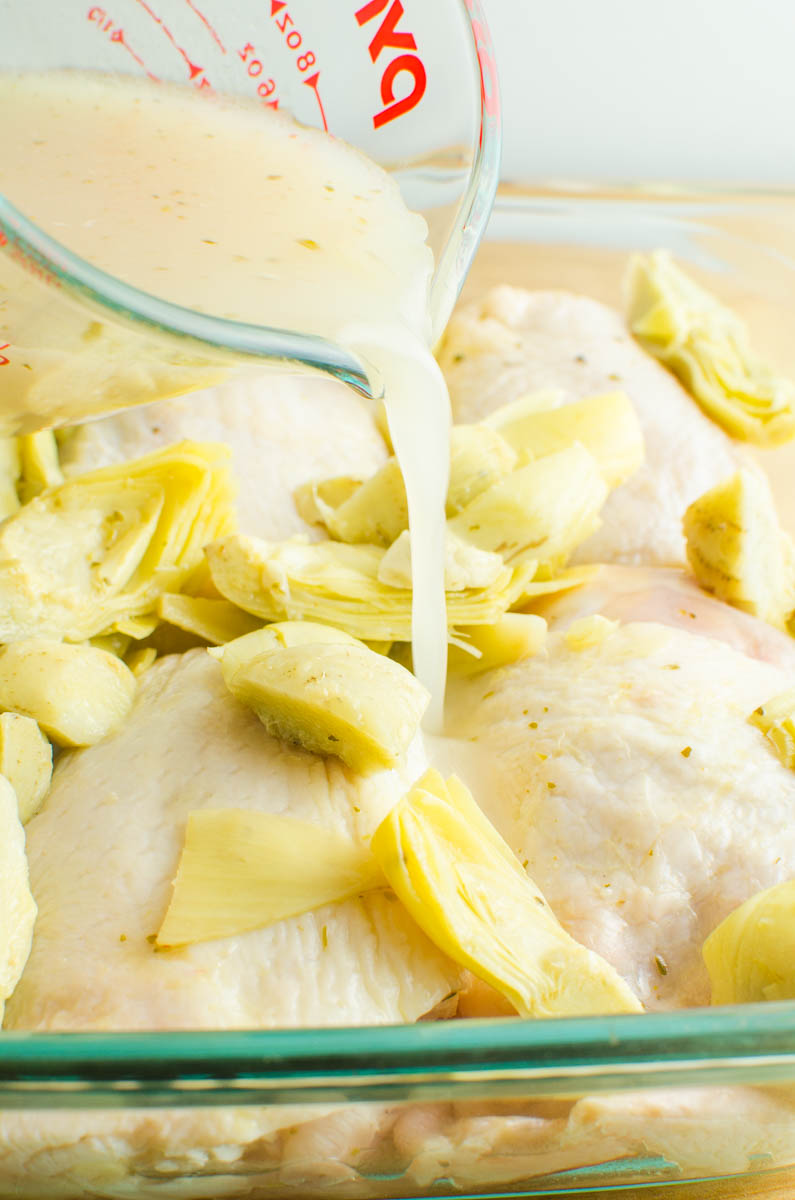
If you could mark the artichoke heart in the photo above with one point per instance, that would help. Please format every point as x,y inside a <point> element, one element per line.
<point>776,719</point>
<point>94,554</point>
<point>465,566</point>
<point>751,955</point>
<point>542,511</point>
<point>334,699</point>
<point>241,869</point>
<point>469,893</point>
<point>606,425</point>
<point>588,632</point>
<point>479,457</point>
<point>25,761</point>
<point>375,512</point>
<point>277,636</point>
<point>707,347</point>
<point>485,647</point>
<point>78,694</point>
<point>214,621</point>
<point>40,465</point>
<point>738,551</point>
<point>337,584</point>
<point>10,470</point>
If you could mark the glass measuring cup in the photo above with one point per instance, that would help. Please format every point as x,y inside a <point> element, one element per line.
<point>415,89</point>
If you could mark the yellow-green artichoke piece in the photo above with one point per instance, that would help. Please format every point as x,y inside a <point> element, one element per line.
<point>316,501</point>
<point>751,955</point>
<point>25,761</point>
<point>214,621</point>
<point>40,464</point>
<point>738,551</point>
<point>94,554</point>
<point>469,893</point>
<point>334,699</point>
<point>776,719</point>
<point>606,425</point>
<point>465,566</point>
<point>140,659</point>
<point>479,457</point>
<point>707,347</point>
<point>484,647</point>
<point>241,870</point>
<point>375,512</point>
<point>337,584</point>
<point>589,631</point>
<point>542,511</point>
<point>77,694</point>
<point>10,470</point>
<point>278,636</point>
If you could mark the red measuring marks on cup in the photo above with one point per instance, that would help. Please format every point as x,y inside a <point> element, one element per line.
<point>196,72</point>
<point>208,26</point>
<point>106,24</point>
<point>305,60</point>
<point>388,36</point>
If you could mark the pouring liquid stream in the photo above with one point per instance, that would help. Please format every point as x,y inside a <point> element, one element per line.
<point>232,210</point>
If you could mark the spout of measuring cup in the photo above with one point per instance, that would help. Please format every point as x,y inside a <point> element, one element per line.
<point>80,343</point>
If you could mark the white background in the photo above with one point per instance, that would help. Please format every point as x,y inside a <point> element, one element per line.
<point>636,90</point>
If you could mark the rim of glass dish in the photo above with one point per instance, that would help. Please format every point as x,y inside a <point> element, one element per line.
<point>752,1043</point>
<point>47,257</point>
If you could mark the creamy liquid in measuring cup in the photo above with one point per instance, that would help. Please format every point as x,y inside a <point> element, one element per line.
<point>233,210</point>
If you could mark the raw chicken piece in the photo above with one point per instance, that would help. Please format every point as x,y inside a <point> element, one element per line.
<point>514,342</point>
<point>630,781</point>
<point>671,596</point>
<point>16,903</point>
<point>284,430</point>
<point>694,1132</point>
<point>104,850</point>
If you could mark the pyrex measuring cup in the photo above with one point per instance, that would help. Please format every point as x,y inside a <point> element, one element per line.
<point>411,84</point>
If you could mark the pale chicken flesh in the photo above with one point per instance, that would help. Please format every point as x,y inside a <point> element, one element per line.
<point>283,431</point>
<point>104,850</point>
<point>514,342</point>
<point>625,776</point>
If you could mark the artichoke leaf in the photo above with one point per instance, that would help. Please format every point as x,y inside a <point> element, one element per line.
<point>93,554</point>
<point>334,698</point>
<point>542,511</point>
<point>750,956</point>
<point>277,636</point>
<point>241,869</point>
<point>739,552</point>
<point>337,584</point>
<point>707,347</point>
<point>25,761</point>
<point>469,893</point>
<point>77,694</point>
<point>605,424</point>
<point>776,719</point>
<point>214,621</point>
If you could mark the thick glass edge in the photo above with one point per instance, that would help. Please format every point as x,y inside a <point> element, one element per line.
<point>748,1043</point>
<point>41,254</point>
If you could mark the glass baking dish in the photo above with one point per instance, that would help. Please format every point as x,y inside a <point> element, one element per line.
<point>455,1108</point>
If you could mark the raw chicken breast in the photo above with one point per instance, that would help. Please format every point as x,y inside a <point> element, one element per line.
<point>629,780</point>
<point>104,850</point>
<point>284,430</point>
<point>514,342</point>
